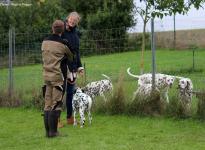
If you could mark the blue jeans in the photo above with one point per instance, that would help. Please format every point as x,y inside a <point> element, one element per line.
<point>69,99</point>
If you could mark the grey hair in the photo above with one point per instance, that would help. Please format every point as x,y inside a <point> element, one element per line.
<point>76,15</point>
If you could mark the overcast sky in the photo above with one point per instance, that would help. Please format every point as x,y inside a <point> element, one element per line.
<point>195,19</point>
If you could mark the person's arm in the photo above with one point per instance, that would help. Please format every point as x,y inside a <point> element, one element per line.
<point>69,54</point>
<point>79,64</point>
<point>69,45</point>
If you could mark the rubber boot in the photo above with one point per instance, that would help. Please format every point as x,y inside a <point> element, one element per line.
<point>53,123</point>
<point>46,123</point>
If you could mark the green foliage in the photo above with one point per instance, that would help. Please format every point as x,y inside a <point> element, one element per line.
<point>178,109</point>
<point>28,78</point>
<point>96,15</point>
<point>37,99</point>
<point>110,16</point>
<point>27,19</point>
<point>138,40</point>
<point>168,7</point>
<point>13,100</point>
<point>151,106</point>
<point>39,16</point>
<point>116,104</point>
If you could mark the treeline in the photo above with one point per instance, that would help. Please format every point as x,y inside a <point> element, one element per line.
<point>95,17</point>
<point>38,17</point>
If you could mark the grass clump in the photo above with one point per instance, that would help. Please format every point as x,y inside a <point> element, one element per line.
<point>201,105</point>
<point>10,100</point>
<point>37,99</point>
<point>149,105</point>
<point>116,104</point>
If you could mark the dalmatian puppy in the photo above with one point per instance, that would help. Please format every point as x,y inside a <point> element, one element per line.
<point>185,87</point>
<point>81,102</point>
<point>162,81</point>
<point>98,87</point>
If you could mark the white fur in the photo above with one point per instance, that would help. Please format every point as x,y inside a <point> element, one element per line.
<point>98,87</point>
<point>144,91</point>
<point>185,90</point>
<point>162,81</point>
<point>81,102</point>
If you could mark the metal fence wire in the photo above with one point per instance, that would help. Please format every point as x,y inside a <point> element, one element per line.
<point>25,48</point>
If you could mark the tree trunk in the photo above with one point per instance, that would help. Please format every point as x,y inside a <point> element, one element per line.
<point>143,49</point>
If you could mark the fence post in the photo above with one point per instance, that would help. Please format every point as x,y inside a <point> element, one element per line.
<point>85,78</point>
<point>153,54</point>
<point>193,59</point>
<point>10,62</point>
<point>14,45</point>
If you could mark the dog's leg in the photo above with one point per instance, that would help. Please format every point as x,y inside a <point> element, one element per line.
<point>82,117</point>
<point>135,94</point>
<point>105,99</point>
<point>74,116</point>
<point>111,90</point>
<point>90,117</point>
<point>165,96</point>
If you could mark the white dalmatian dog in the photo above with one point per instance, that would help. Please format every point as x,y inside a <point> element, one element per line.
<point>98,87</point>
<point>162,81</point>
<point>81,102</point>
<point>185,87</point>
<point>144,91</point>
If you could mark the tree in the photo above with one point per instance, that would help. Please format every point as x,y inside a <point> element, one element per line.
<point>145,15</point>
<point>113,15</point>
<point>103,14</point>
<point>161,8</point>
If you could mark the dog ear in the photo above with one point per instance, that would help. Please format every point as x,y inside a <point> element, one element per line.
<point>188,84</point>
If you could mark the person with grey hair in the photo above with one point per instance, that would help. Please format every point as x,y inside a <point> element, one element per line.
<point>72,37</point>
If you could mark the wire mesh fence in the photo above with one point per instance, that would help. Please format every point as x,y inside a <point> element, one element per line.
<point>27,53</point>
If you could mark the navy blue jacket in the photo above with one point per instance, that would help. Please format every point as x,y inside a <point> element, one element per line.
<point>73,40</point>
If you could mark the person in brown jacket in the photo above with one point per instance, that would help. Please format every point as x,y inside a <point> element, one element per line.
<point>55,55</point>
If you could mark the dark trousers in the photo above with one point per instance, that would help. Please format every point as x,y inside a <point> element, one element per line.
<point>69,99</point>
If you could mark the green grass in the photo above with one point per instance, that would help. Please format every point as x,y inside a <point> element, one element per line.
<point>177,62</point>
<point>29,78</point>
<point>23,129</point>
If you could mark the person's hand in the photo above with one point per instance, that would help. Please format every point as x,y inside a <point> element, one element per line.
<point>81,72</point>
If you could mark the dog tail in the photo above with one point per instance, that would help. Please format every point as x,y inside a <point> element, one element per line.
<point>177,77</point>
<point>128,71</point>
<point>106,77</point>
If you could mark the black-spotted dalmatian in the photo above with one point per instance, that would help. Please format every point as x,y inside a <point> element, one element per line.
<point>162,81</point>
<point>98,87</point>
<point>185,91</point>
<point>81,102</point>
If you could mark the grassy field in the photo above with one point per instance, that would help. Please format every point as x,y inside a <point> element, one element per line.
<point>28,79</point>
<point>22,129</point>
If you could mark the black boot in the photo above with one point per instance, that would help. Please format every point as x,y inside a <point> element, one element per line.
<point>53,123</point>
<point>46,123</point>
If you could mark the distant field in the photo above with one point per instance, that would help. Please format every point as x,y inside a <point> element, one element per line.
<point>29,78</point>
<point>185,39</point>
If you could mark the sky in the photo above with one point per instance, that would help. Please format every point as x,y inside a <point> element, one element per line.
<point>194,19</point>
